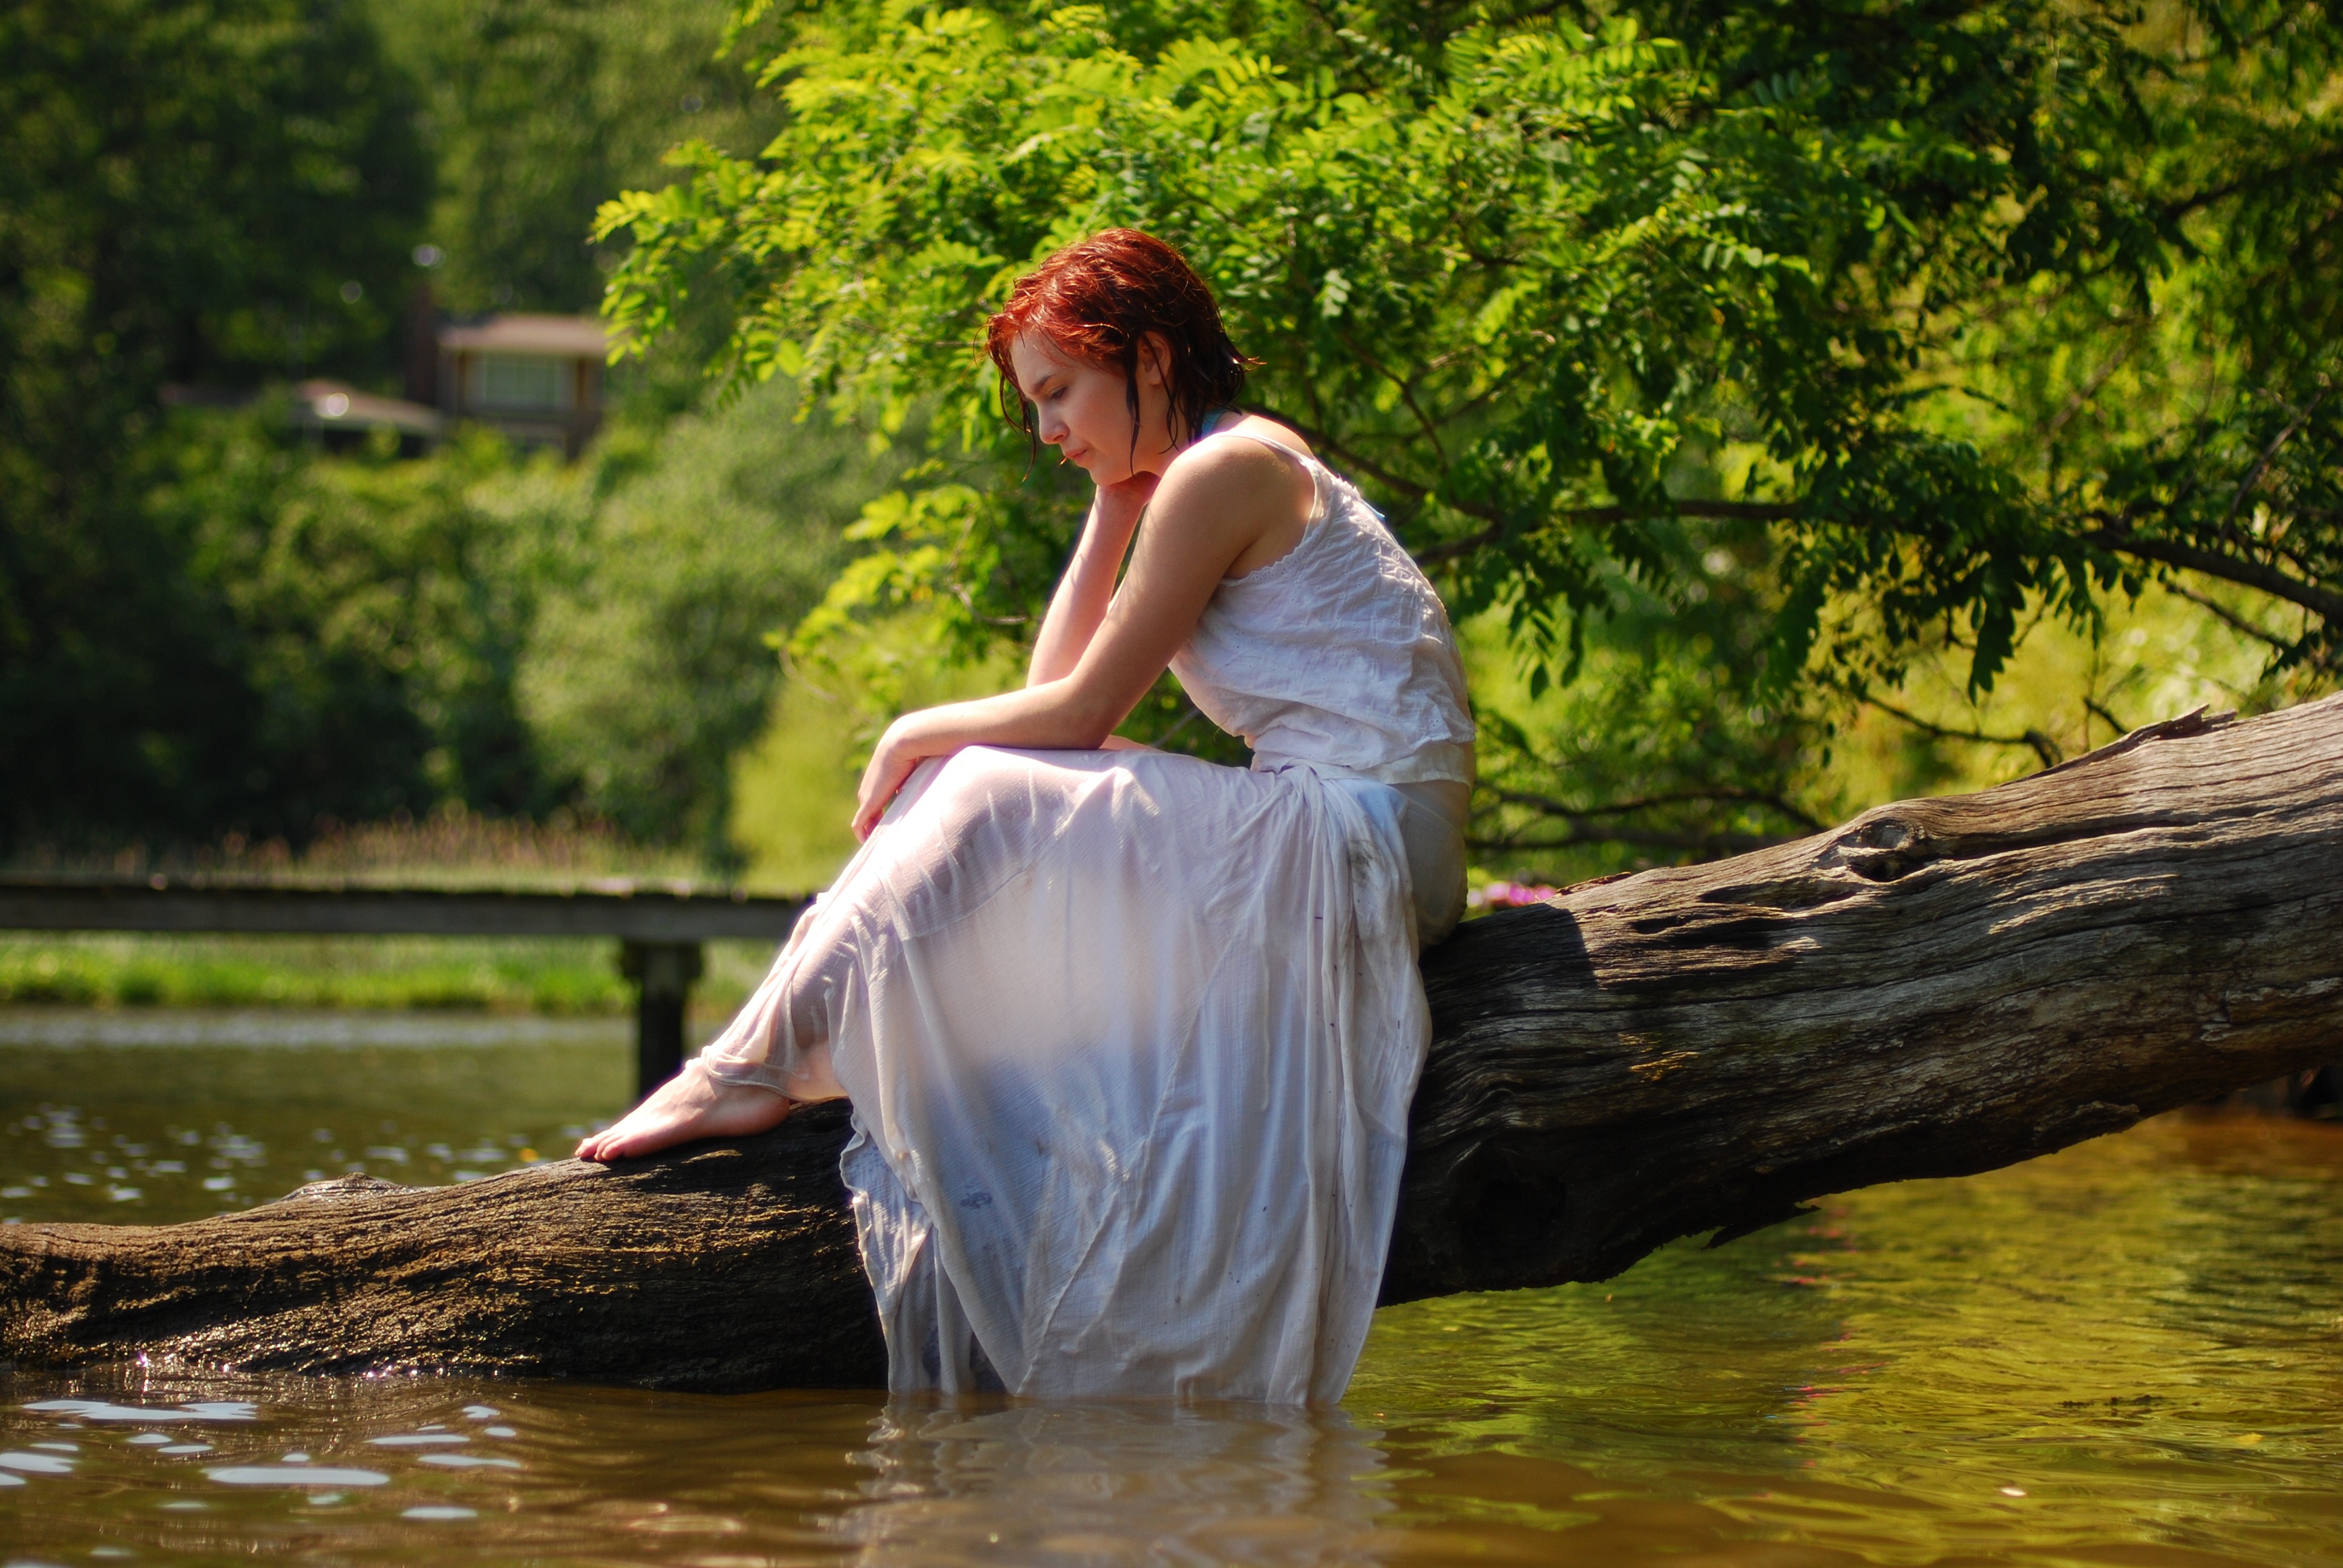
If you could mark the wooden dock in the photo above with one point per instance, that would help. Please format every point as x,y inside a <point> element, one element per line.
<point>661,924</point>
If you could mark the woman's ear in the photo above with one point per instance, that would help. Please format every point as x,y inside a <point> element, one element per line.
<point>1154,360</point>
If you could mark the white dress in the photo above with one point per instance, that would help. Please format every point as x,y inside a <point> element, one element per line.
<point>1131,1038</point>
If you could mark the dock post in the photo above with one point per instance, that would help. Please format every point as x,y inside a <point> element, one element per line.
<point>663,973</point>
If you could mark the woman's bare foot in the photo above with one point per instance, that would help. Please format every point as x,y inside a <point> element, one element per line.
<point>689,1106</point>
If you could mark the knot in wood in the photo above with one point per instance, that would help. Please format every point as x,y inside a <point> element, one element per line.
<point>1882,848</point>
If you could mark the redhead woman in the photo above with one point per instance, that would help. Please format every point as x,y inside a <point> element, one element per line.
<point>1129,1038</point>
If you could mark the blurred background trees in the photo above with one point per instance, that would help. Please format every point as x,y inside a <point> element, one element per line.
<point>1798,404</point>
<point>192,192</point>
<point>536,111</point>
<point>207,628</point>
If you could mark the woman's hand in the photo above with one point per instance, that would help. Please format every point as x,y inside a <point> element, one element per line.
<point>891,764</point>
<point>1118,505</point>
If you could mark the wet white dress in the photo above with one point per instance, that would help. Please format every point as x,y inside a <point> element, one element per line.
<point>1130,1037</point>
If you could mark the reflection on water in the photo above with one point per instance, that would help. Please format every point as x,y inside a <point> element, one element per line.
<point>2131,1354</point>
<point>146,1117</point>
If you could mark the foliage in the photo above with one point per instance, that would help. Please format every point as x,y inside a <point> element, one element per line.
<point>390,635</point>
<point>538,110</point>
<point>1572,295</point>
<point>651,665</point>
<point>2063,692</point>
<point>793,790</point>
<point>1661,750</point>
<point>507,976</point>
<point>1756,363</point>
<point>190,190</point>
<point>206,630</point>
<point>376,609</point>
<point>517,637</point>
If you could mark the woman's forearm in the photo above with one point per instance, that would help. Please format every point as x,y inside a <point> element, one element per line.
<point>1056,716</point>
<point>1078,606</point>
<point>1075,611</point>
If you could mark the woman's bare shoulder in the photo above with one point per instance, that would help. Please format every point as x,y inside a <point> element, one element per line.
<point>1263,469</point>
<point>1250,497</point>
<point>1267,428</point>
<point>1251,456</point>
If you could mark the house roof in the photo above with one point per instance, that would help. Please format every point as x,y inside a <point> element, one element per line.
<point>576,337</point>
<point>332,405</point>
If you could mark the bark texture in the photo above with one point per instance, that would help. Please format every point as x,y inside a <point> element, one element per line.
<point>718,1267</point>
<point>1937,988</point>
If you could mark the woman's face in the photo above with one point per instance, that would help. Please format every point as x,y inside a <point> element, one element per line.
<point>1084,409</point>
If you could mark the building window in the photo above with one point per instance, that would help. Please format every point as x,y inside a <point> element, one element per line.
<point>520,381</point>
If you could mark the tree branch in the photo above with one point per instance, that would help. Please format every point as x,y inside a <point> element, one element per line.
<point>2323,602</point>
<point>2254,475</point>
<point>2035,741</point>
<point>1498,523</point>
<point>2198,200</point>
<point>2228,617</point>
<point>1554,807</point>
<point>1734,511</point>
<point>1936,988</point>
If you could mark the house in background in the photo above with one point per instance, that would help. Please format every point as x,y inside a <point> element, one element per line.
<point>336,414</point>
<point>536,378</point>
<point>333,415</point>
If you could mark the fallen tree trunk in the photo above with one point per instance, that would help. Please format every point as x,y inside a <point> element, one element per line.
<point>1937,988</point>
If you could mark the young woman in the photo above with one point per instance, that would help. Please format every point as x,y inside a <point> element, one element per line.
<point>1131,1037</point>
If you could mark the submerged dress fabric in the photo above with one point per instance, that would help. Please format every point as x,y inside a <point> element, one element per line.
<point>1130,1037</point>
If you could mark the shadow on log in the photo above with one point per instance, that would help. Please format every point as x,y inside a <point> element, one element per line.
<point>1937,988</point>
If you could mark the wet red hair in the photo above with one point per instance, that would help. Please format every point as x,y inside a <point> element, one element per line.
<point>1097,300</point>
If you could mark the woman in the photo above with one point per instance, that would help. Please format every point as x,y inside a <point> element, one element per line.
<point>1131,1037</point>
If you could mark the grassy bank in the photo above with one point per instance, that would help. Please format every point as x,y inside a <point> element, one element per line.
<point>305,971</point>
<point>474,974</point>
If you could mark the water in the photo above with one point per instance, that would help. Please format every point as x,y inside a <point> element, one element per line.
<point>148,1117</point>
<point>2129,1354</point>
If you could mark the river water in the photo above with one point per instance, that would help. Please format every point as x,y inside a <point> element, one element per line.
<point>2129,1354</point>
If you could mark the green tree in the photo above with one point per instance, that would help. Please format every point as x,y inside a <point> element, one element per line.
<point>1918,318</point>
<point>192,191</point>
<point>651,665</point>
<point>538,110</point>
<point>511,635</point>
<point>379,610</point>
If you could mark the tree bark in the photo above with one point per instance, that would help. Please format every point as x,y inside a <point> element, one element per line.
<point>1937,988</point>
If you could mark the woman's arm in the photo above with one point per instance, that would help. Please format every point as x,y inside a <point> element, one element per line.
<point>1212,506</point>
<point>1083,593</point>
